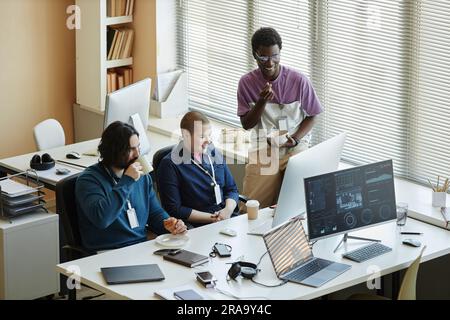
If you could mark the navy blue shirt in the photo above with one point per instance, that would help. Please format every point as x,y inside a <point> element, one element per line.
<point>102,209</point>
<point>184,186</point>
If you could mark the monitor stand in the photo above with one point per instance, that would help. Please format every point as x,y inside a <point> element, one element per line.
<point>346,236</point>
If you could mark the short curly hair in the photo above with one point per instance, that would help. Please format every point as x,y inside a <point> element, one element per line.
<point>115,143</point>
<point>266,37</point>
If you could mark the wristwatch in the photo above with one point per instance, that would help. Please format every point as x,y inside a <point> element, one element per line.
<point>297,141</point>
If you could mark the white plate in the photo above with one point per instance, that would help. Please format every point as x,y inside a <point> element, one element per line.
<point>172,241</point>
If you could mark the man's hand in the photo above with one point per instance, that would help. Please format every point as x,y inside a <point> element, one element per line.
<point>223,214</point>
<point>134,171</point>
<point>266,93</point>
<point>290,143</point>
<point>175,226</point>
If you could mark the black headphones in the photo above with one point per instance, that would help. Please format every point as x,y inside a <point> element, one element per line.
<point>245,269</point>
<point>42,163</point>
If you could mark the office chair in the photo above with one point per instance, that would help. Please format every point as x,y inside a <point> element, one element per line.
<point>67,210</point>
<point>159,155</point>
<point>49,134</point>
<point>407,289</point>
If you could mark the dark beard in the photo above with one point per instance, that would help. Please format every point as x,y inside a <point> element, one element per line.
<point>123,164</point>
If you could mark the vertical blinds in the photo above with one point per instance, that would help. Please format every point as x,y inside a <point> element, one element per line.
<point>381,69</point>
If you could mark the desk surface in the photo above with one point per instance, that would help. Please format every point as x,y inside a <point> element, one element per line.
<point>252,248</point>
<point>22,162</point>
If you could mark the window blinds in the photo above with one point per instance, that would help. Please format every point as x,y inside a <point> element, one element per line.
<point>381,69</point>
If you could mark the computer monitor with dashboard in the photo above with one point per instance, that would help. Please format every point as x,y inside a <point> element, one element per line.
<point>349,200</point>
<point>123,104</point>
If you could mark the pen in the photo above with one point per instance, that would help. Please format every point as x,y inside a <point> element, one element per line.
<point>405,232</point>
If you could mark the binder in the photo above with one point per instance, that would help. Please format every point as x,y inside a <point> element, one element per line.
<point>175,104</point>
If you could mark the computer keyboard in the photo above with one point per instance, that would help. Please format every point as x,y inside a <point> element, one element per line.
<point>368,252</point>
<point>261,229</point>
<point>308,269</point>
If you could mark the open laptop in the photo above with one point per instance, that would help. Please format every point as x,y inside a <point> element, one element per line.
<point>322,158</point>
<point>293,259</point>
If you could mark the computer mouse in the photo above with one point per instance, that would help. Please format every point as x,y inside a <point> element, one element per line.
<point>62,171</point>
<point>73,155</point>
<point>412,242</point>
<point>229,232</point>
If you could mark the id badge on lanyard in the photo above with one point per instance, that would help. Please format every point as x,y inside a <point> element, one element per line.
<point>132,217</point>
<point>283,123</point>
<point>217,193</point>
<point>215,185</point>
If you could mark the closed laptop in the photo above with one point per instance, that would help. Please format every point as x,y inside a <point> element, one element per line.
<point>132,274</point>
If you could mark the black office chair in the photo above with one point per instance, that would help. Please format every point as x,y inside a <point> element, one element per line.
<point>67,210</point>
<point>159,155</point>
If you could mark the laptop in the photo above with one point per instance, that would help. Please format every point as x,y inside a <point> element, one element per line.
<point>293,259</point>
<point>132,274</point>
<point>322,158</point>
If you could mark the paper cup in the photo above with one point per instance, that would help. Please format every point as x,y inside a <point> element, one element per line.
<point>252,209</point>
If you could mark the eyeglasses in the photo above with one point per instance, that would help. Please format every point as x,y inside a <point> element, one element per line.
<point>275,58</point>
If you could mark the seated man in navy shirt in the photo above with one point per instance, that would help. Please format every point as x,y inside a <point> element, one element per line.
<point>115,201</point>
<point>194,181</point>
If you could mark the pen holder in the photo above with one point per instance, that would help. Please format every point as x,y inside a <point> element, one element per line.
<point>439,199</point>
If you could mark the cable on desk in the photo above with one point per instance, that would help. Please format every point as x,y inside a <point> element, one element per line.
<point>266,285</point>
<point>270,286</point>
<point>260,259</point>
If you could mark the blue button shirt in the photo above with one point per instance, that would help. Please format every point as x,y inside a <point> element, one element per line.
<point>184,186</point>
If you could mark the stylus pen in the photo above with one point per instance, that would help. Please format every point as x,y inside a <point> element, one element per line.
<point>410,232</point>
<point>72,164</point>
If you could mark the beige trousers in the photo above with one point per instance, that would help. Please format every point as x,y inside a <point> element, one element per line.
<point>264,174</point>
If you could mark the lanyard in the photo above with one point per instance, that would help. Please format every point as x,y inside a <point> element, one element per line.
<point>115,182</point>
<point>213,176</point>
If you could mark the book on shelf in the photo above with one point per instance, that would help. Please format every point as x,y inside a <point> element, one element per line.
<point>120,81</point>
<point>120,43</point>
<point>117,8</point>
<point>128,44</point>
<point>118,78</point>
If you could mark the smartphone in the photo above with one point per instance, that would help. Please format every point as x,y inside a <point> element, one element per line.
<point>187,295</point>
<point>205,276</point>
<point>206,279</point>
<point>222,250</point>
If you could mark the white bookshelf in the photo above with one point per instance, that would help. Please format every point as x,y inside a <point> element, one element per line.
<point>91,53</point>
<point>119,63</point>
<point>111,21</point>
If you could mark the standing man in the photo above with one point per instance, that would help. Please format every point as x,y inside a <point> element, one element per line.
<point>280,106</point>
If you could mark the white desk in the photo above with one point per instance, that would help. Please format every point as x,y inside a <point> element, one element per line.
<point>252,247</point>
<point>21,163</point>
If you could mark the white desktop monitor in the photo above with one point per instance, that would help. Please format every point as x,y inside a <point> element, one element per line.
<point>122,104</point>
<point>322,158</point>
